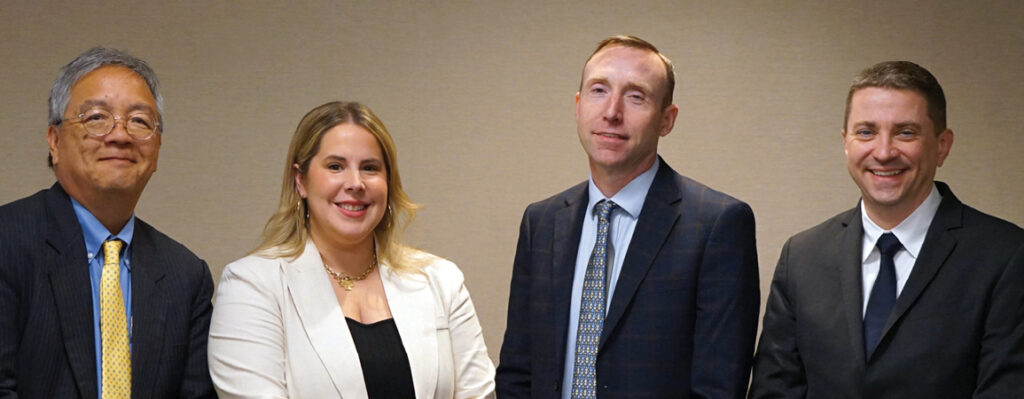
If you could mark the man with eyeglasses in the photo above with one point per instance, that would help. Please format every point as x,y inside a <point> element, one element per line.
<point>95,303</point>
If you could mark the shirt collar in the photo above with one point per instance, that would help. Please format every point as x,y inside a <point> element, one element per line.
<point>631,198</point>
<point>911,231</point>
<point>95,233</point>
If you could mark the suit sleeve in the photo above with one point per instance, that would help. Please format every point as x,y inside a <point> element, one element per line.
<point>9,335</point>
<point>196,382</point>
<point>514,379</point>
<point>247,348</point>
<point>778,368</point>
<point>1001,358</point>
<point>728,302</point>
<point>474,372</point>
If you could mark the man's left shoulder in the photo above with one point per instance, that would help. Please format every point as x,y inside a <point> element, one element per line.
<point>694,194</point>
<point>166,248</point>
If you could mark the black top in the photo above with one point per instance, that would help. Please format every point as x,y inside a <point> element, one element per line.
<point>382,356</point>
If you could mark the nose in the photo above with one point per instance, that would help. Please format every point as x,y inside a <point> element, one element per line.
<point>886,148</point>
<point>353,180</point>
<point>118,132</point>
<point>613,109</point>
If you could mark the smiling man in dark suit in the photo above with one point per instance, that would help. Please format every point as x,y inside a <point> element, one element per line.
<point>95,303</point>
<point>911,294</point>
<point>639,282</point>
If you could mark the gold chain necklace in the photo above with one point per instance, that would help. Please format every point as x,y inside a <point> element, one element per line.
<point>347,282</point>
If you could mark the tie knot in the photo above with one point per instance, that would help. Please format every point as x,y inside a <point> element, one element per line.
<point>112,247</point>
<point>888,244</point>
<point>604,208</point>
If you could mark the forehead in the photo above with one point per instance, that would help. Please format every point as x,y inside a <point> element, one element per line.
<point>112,83</point>
<point>635,63</point>
<point>351,139</point>
<point>878,102</point>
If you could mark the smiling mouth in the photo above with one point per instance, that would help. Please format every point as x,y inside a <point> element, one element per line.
<point>611,135</point>
<point>887,173</point>
<point>353,207</point>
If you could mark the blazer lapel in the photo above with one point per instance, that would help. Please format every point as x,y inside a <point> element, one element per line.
<point>657,217</point>
<point>848,249</point>
<point>72,293</point>
<point>412,305</point>
<point>324,322</point>
<point>938,245</point>
<point>148,311</point>
<point>565,243</point>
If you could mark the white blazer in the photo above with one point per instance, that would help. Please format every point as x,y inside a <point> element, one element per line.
<point>278,332</point>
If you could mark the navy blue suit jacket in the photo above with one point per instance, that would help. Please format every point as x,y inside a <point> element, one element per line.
<point>956,331</point>
<point>46,322</point>
<point>683,317</point>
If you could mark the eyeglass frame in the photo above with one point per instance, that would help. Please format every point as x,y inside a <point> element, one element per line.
<point>116,119</point>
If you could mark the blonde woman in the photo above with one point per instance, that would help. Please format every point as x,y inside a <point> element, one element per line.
<point>330,304</point>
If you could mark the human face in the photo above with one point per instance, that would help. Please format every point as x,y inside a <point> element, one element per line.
<point>90,167</point>
<point>619,115</point>
<point>892,150</point>
<point>346,187</point>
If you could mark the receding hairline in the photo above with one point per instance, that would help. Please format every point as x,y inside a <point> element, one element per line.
<point>639,44</point>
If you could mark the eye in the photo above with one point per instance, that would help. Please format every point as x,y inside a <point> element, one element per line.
<point>142,121</point>
<point>334,166</point>
<point>636,98</point>
<point>371,167</point>
<point>93,116</point>
<point>864,132</point>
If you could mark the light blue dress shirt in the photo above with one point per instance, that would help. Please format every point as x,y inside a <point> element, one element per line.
<point>95,234</point>
<point>630,201</point>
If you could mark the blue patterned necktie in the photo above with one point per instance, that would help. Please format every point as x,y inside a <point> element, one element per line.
<point>588,333</point>
<point>883,294</point>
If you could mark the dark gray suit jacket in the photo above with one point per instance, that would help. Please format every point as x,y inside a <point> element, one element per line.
<point>683,317</point>
<point>46,323</point>
<point>956,331</point>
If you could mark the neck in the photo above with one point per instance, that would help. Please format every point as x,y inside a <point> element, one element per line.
<point>611,180</point>
<point>113,211</point>
<point>352,259</point>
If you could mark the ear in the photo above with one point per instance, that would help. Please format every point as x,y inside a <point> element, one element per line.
<point>298,181</point>
<point>842,132</point>
<point>577,112</point>
<point>668,120</point>
<point>52,137</point>
<point>945,144</point>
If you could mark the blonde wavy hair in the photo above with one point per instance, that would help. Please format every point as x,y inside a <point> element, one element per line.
<point>287,230</point>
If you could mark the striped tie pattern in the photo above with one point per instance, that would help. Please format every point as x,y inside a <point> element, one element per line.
<point>117,361</point>
<point>592,312</point>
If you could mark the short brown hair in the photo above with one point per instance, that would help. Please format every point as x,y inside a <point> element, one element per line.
<point>903,75</point>
<point>636,42</point>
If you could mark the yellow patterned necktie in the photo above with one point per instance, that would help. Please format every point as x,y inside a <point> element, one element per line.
<point>117,360</point>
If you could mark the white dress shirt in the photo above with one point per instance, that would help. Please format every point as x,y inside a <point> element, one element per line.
<point>911,232</point>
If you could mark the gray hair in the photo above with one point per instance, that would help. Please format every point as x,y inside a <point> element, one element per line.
<point>94,58</point>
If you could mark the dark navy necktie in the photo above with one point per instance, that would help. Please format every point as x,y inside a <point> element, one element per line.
<point>883,294</point>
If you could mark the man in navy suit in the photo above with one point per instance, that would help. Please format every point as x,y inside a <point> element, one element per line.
<point>639,282</point>
<point>95,303</point>
<point>910,294</point>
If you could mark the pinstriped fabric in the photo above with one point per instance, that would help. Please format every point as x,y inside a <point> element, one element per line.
<point>584,379</point>
<point>117,362</point>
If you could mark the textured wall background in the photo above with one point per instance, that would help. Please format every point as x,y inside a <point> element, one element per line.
<point>478,96</point>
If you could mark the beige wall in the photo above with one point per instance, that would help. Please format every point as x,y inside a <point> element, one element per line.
<point>478,96</point>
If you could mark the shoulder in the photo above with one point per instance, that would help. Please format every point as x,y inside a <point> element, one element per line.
<point>558,201</point>
<point>168,248</point>
<point>440,273</point>
<point>824,231</point>
<point>23,214</point>
<point>255,269</point>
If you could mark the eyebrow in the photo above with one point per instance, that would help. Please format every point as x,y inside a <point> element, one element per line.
<point>91,103</point>
<point>630,85</point>
<point>333,157</point>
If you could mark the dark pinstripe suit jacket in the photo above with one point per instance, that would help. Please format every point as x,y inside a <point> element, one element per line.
<point>956,331</point>
<point>683,317</point>
<point>46,322</point>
